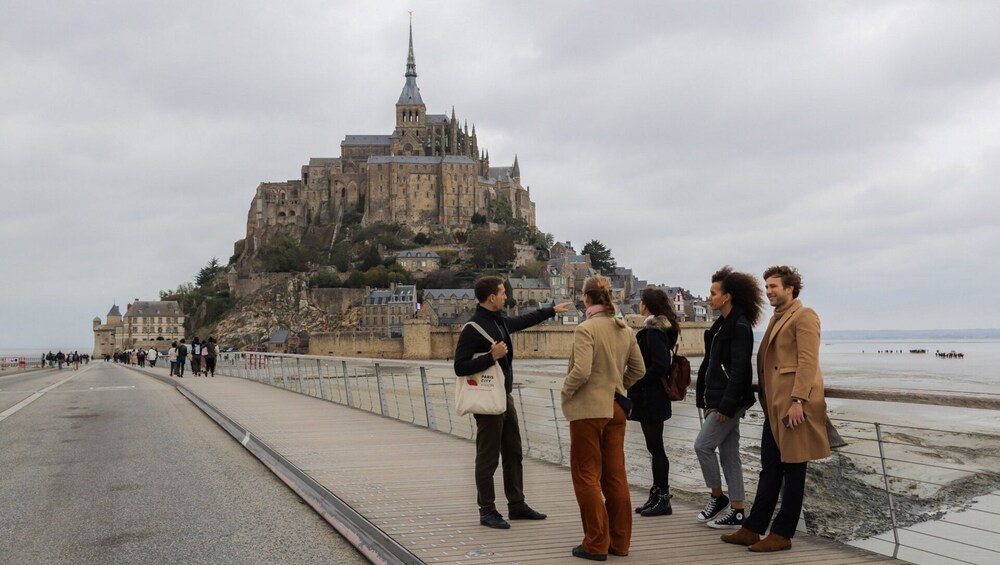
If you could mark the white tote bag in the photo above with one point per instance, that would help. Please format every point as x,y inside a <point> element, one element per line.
<point>483,392</point>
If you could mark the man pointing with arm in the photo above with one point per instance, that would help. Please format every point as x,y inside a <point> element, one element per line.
<point>497,435</point>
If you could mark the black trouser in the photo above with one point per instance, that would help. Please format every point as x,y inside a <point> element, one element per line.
<point>498,436</point>
<point>653,433</point>
<point>210,365</point>
<point>786,479</point>
<point>180,366</point>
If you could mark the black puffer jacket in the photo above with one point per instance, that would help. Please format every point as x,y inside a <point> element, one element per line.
<point>725,378</point>
<point>656,343</point>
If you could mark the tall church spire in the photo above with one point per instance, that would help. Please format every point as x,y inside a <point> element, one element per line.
<point>411,63</point>
<point>410,94</point>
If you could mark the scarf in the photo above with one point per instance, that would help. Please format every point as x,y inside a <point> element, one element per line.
<point>595,309</point>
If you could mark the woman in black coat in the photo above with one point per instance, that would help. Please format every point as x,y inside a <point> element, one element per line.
<point>650,404</point>
<point>724,391</point>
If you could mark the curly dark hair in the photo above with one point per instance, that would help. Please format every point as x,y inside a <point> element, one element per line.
<point>744,289</point>
<point>790,277</point>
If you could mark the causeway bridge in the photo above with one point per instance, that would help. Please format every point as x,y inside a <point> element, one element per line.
<point>376,451</point>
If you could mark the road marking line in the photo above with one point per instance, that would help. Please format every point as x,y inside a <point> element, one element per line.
<point>14,409</point>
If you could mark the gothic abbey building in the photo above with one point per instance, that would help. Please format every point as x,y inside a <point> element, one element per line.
<point>429,174</point>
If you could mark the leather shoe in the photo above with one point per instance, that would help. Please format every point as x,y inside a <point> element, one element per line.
<point>524,512</point>
<point>582,553</point>
<point>742,536</point>
<point>494,520</point>
<point>773,542</point>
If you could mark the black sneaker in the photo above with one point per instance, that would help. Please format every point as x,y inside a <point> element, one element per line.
<point>494,520</point>
<point>730,521</point>
<point>524,512</point>
<point>714,507</point>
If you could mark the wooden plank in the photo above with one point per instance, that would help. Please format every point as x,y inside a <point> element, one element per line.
<point>417,485</point>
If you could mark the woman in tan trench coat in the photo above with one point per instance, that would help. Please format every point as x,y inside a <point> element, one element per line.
<point>605,360</point>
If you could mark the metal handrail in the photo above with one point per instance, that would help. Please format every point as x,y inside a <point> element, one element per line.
<point>420,393</point>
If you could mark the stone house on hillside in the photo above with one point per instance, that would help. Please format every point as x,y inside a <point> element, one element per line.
<point>384,310</point>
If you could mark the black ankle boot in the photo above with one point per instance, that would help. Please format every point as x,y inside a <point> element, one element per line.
<point>660,507</point>
<point>654,493</point>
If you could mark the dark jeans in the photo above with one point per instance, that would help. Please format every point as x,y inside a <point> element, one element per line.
<point>210,365</point>
<point>495,436</point>
<point>786,479</point>
<point>180,366</point>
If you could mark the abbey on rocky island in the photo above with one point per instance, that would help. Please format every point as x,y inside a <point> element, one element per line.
<point>430,174</point>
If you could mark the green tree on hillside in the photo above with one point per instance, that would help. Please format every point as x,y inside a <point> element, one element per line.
<point>207,273</point>
<point>600,257</point>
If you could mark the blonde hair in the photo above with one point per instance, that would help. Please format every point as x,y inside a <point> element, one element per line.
<point>598,289</point>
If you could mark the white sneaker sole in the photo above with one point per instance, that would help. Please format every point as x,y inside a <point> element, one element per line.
<point>718,526</point>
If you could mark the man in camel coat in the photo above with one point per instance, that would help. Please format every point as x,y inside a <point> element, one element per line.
<point>794,431</point>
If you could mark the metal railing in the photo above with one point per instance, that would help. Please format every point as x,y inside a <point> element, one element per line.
<point>924,495</point>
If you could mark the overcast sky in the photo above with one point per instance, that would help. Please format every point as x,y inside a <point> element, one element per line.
<point>859,141</point>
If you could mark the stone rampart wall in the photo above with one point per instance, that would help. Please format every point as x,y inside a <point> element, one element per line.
<point>421,341</point>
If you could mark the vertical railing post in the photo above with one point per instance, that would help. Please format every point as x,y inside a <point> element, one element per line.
<point>888,492</point>
<point>447,408</point>
<point>524,420</point>
<point>428,406</point>
<point>268,369</point>
<point>347,384</point>
<point>298,369</point>
<point>322,385</point>
<point>381,391</point>
<point>281,369</point>
<point>555,422</point>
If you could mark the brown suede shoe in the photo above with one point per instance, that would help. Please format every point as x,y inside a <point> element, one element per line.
<point>773,542</point>
<point>742,536</point>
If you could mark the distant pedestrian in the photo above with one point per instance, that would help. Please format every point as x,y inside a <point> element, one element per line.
<point>794,430</point>
<point>60,358</point>
<point>603,348</point>
<point>211,354</point>
<point>76,360</point>
<point>172,358</point>
<point>151,355</point>
<point>182,353</point>
<point>650,403</point>
<point>724,391</point>
<point>196,356</point>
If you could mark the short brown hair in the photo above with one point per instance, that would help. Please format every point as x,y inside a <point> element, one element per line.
<point>486,287</point>
<point>790,277</point>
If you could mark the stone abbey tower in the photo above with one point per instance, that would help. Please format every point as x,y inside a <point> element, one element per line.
<point>429,174</point>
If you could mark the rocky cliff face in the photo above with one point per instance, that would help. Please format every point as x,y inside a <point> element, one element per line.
<point>285,304</point>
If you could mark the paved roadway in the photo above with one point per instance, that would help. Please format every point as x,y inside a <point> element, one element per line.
<point>114,467</point>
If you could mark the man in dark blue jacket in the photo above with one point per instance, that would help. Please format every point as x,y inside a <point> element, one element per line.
<point>498,434</point>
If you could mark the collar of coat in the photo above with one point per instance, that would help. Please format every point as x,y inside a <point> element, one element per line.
<point>657,323</point>
<point>725,326</point>
<point>781,322</point>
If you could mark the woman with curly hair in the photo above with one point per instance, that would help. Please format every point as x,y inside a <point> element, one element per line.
<point>724,392</point>
<point>603,348</point>
<point>651,405</point>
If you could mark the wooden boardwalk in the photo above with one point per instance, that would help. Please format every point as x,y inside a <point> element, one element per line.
<point>416,485</point>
